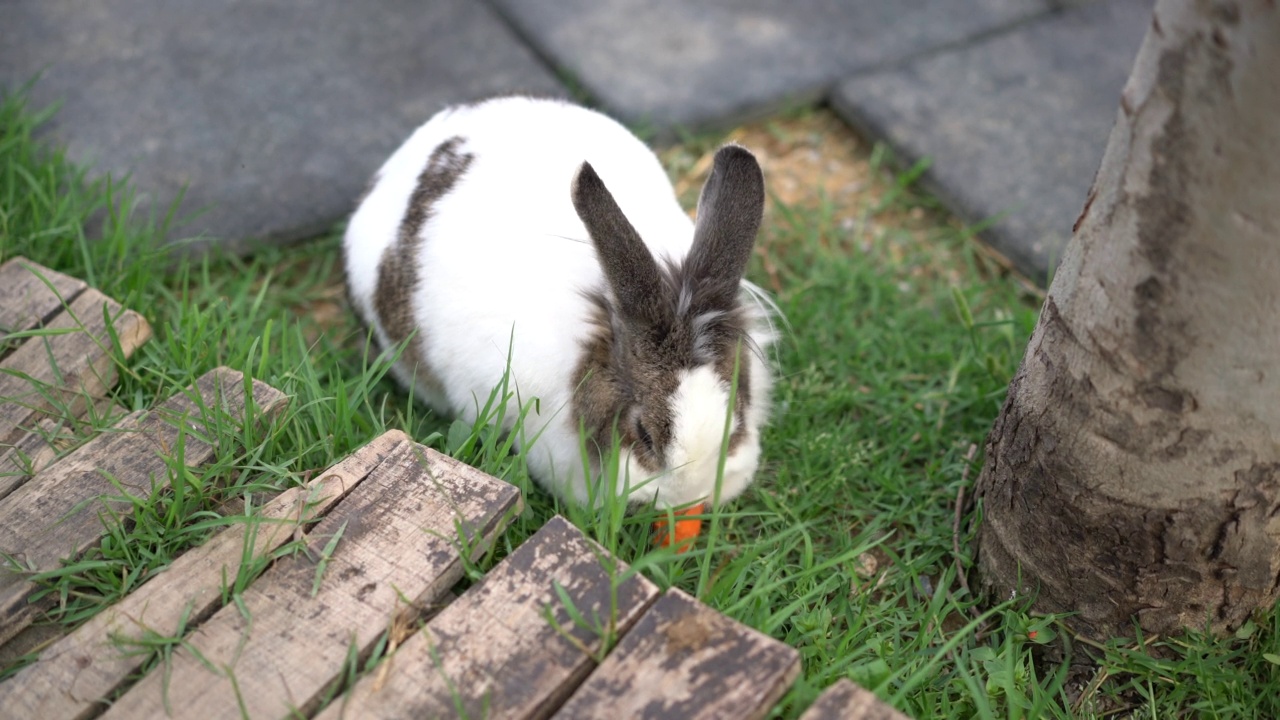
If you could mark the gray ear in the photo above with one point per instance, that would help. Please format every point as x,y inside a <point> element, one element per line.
<point>729,213</point>
<point>628,264</point>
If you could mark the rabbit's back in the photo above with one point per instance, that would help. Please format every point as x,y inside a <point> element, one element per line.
<point>470,239</point>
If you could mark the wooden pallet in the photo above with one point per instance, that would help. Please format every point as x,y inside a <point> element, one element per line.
<point>524,641</point>
<point>357,564</point>
<point>558,629</point>
<point>61,343</point>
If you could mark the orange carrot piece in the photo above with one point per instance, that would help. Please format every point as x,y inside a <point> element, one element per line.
<point>685,531</point>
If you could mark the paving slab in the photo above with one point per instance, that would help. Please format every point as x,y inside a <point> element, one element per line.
<point>666,63</point>
<point>274,113</point>
<point>1014,126</point>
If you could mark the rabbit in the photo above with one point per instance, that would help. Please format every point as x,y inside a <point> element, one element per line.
<point>541,238</point>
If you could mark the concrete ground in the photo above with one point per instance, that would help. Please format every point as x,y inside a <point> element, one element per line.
<point>272,115</point>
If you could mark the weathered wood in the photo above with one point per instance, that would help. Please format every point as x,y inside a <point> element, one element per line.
<point>62,372</point>
<point>493,653</point>
<point>392,543</point>
<point>846,701</point>
<point>685,660</point>
<point>73,675</point>
<point>57,514</point>
<point>30,295</point>
<point>33,296</point>
<point>36,449</point>
<point>30,640</point>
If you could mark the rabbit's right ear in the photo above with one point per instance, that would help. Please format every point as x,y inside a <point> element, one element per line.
<point>628,265</point>
<point>730,210</point>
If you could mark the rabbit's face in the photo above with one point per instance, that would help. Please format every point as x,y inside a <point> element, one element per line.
<point>669,367</point>
<point>679,395</point>
<point>678,462</point>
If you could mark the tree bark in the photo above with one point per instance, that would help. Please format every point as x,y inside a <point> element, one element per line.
<point>1133,475</point>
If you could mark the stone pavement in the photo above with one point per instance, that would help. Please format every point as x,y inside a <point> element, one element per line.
<point>274,113</point>
<point>1014,126</point>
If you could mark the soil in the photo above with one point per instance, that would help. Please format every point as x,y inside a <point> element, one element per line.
<point>814,163</point>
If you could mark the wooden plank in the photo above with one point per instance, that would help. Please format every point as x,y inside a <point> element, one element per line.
<point>37,448</point>
<point>34,452</point>
<point>61,373</point>
<point>846,701</point>
<point>391,545</point>
<point>76,673</point>
<point>31,294</point>
<point>30,640</point>
<point>57,514</point>
<point>492,653</point>
<point>685,660</point>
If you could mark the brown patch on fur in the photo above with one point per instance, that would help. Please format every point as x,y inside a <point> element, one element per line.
<point>623,380</point>
<point>398,269</point>
<point>725,369</point>
<point>627,378</point>
<point>722,342</point>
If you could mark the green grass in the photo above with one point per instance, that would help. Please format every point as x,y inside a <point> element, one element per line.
<point>844,549</point>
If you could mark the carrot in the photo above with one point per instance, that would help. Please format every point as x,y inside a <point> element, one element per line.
<point>682,536</point>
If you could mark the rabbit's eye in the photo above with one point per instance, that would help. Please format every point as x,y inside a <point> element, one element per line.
<point>643,433</point>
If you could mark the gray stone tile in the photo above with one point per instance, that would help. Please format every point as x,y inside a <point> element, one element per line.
<point>274,112</point>
<point>1014,125</point>
<point>692,63</point>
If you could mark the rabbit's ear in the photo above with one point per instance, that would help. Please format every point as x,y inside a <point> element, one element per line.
<point>729,213</point>
<point>628,264</point>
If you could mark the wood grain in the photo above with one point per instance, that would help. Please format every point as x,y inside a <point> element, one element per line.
<point>31,640</point>
<point>58,514</point>
<point>685,660</point>
<point>39,447</point>
<point>30,295</point>
<point>493,653</point>
<point>74,674</point>
<point>286,641</point>
<point>846,701</point>
<point>61,373</point>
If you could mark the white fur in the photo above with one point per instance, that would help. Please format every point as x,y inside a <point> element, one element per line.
<point>503,262</point>
<point>700,407</point>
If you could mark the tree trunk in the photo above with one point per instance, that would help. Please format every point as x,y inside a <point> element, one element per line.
<point>1133,475</point>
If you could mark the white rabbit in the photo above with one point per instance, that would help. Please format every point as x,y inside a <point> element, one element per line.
<point>549,230</point>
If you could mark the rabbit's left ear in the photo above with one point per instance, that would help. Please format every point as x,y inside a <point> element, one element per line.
<point>729,213</point>
<point>628,265</point>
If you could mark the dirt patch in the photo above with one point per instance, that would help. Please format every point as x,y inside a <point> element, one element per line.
<point>805,158</point>
<point>818,169</point>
